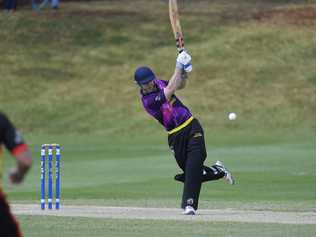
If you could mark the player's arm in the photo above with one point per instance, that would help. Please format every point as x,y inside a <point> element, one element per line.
<point>183,84</point>
<point>179,77</point>
<point>23,164</point>
<point>19,150</point>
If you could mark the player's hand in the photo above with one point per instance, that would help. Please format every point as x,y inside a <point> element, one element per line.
<point>16,176</point>
<point>184,61</point>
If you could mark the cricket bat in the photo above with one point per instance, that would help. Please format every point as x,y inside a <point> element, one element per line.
<point>175,24</point>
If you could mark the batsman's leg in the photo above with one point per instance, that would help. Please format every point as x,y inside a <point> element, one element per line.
<point>208,174</point>
<point>193,172</point>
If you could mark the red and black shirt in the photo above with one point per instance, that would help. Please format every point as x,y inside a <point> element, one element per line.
<point>10,138</point>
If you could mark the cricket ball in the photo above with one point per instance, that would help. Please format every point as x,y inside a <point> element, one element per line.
<point>232,116</point>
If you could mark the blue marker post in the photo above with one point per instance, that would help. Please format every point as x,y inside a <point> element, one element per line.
<point>57,205</point>
<point>43,158</point>
<point>50,177</point>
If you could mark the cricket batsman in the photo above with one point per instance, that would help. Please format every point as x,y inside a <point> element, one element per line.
<point>185,134</point>
<point>13,141</point>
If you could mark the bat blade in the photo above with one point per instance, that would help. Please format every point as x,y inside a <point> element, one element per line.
<point>175,24</point>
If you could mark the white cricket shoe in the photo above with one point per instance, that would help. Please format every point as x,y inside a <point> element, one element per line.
<point>228,175</point>
<point>189,211</point>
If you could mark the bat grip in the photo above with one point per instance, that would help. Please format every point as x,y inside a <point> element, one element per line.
<point>180,44</point>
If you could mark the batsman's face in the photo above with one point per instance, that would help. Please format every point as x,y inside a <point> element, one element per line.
<point>149,87</point>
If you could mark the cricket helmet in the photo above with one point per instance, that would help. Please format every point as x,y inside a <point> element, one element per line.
<point>143,75</point>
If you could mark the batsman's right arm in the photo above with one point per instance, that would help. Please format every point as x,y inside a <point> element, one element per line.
<point>177,82</point>
<point>184,76</point>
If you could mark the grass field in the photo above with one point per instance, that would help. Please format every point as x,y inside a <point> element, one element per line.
<point>277,177</point>
<point>267,176</point>
<point>66,77</point>
<point>73,227</point>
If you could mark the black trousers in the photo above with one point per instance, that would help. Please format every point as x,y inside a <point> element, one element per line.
<point>188,146</point>
<point>8,224</point>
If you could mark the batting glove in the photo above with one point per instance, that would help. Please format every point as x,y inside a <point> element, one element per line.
<point>184,61</point>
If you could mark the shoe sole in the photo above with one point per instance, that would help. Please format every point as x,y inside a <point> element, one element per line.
<point>191,213</point>
<point>231,179</point>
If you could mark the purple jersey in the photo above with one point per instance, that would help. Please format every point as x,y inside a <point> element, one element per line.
<point>170,114</point>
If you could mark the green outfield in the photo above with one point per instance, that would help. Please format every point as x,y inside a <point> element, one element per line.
<point>73,227</point>
<point>278,177</point>
<point>66,77</point>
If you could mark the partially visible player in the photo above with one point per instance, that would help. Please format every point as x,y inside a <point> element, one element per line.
<point>185,134</point>
<point>13,141</point>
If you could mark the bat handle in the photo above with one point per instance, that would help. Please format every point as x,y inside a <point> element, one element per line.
<point>180,44</point>
<point>180,50</point>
